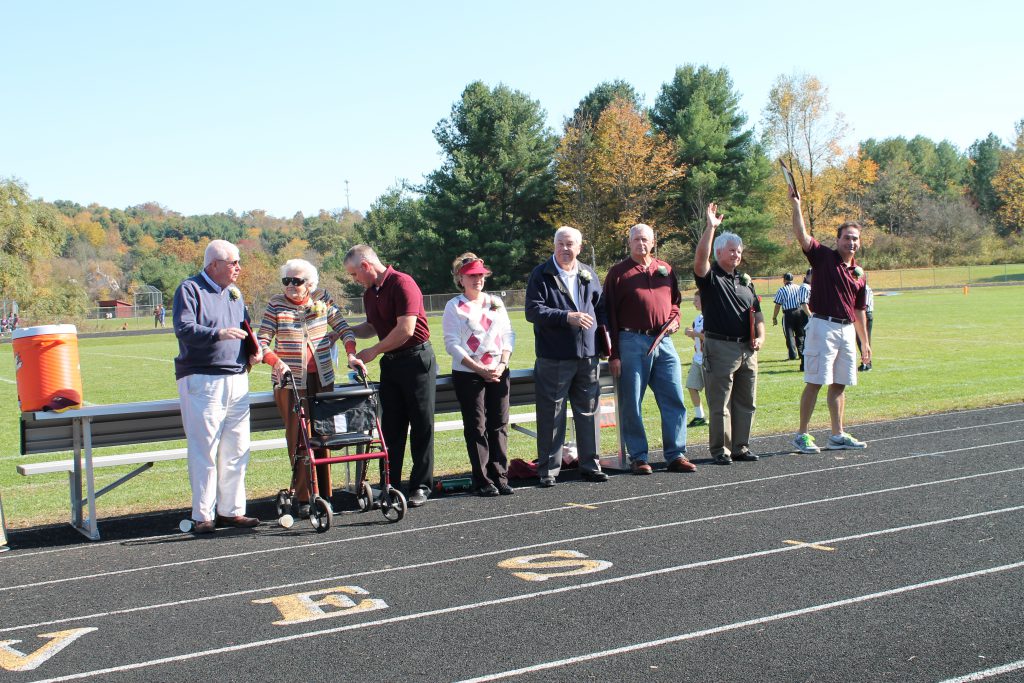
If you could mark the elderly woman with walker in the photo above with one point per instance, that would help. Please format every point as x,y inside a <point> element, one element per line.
<point>303,323</point>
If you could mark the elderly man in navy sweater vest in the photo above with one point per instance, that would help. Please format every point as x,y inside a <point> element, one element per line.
<point>214,388</point>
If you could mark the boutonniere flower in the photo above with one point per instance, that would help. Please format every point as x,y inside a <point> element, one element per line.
<point>234,293</point>
<point>858,272</point>
<point>584,275</point>
<point>744,279</point>
<point>662,271</point>
<point>496,303</point>
<point>318,308</point>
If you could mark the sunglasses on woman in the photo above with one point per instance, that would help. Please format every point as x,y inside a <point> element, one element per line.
<point>297,281</point>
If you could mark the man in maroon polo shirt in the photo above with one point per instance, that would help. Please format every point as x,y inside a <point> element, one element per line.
<point>838,302</point>
<point>642,299</point>
<point>408,369</point>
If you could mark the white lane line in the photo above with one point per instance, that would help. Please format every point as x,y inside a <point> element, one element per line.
<point>693,635</point>
<point>125,355</point>
<point>19,555</point>
<point>519,549</point>
<point>513,515</point>
<point>554,591</point>
<point>987,673</point>
<point>9,381</point>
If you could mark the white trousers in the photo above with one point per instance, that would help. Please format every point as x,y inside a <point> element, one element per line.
<point>215,412</point>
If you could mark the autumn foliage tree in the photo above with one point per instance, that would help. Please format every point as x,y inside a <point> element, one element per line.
<point>1008,184</point>
<point>613,176</point>
<point>802,128</point>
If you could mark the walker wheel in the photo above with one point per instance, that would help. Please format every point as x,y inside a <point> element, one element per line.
<point>393,505</point>
<point>283,504</point>
<point>365,498</point>
<point>320,514</point>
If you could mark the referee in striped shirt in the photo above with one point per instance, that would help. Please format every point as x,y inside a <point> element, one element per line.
<point>794,320</point>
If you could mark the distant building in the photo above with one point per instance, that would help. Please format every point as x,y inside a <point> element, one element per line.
<point>115,308</point>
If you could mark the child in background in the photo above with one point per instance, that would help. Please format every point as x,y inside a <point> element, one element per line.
<point>695,379</point>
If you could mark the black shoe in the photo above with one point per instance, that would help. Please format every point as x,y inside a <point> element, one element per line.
<point>488,491</point>
<point>745,456</point>
<point>698,422</point>
<point>303,511</point>
<point>506,490</point>
<point>723,459</point>
<point>418,497</point>
<point>547,482</point>
<point>865,367</point>
<point>591,475</point>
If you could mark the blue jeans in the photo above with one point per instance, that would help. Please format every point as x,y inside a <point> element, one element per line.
<point>662,371</point>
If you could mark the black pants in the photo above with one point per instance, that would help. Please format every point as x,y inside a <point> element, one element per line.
<point>870,323</point>
<point>795,321</point>
<point>485,425</point>
<point>407,396</point>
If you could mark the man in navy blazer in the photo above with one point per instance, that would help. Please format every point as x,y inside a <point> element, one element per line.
<point>565,304</point>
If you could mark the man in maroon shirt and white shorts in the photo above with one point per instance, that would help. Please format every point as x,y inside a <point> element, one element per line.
<point>830,347</point>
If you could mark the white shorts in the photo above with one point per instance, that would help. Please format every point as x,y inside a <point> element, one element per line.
<point>830,353</point>
<point>695,378</point>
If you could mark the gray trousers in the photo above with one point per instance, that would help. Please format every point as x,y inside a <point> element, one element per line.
<point>730,385</point>
<point>555,381</point>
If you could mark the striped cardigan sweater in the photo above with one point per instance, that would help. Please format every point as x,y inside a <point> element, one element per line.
<point>295,328</point>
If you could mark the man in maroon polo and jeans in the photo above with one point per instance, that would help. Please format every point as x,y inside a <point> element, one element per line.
<point>408,369</point>
<point>830,347</point>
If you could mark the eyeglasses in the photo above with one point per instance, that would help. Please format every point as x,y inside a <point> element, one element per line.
<point>233,264</point>
<point>297,281</point>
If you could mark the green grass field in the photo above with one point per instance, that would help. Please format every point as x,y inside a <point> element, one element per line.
<point>934,350</point>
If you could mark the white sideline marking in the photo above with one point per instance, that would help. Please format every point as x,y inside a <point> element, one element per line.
<point>532,546</point>
<point>987,673</point>
<point>481,520</point>
<point>555,591</point>
<point>740,624</point>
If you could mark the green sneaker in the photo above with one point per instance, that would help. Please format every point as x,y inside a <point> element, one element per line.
<point>843,442</point>
<point>805,444</point>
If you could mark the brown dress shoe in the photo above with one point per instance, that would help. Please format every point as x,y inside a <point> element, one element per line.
<point>681,465</point>
<point>202,528</point>
<point>239,521</point>
<point>640,467</point>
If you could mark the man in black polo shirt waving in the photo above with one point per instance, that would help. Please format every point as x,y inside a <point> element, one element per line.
<point>733,333</point>
<point>837,299</point>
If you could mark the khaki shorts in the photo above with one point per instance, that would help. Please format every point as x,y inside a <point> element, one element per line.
<point>830,353</point>
<point>695,378</point>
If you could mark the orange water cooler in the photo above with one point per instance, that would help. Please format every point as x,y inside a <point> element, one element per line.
<point>47,369</point>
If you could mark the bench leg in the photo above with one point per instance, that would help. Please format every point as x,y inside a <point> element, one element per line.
<point>82,439</point>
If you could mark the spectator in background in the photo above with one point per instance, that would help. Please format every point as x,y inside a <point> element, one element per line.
<point>787,299</point>
<point>869,313</point>
<point>643,299</point>
<point>564,302</point>
<point>214,388</point>
<point>478,336</point>
<point>837,300</point>
<point>408,369</point>
<point>695,377</point>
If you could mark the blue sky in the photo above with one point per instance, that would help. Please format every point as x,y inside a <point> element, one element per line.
<point>206,106</point>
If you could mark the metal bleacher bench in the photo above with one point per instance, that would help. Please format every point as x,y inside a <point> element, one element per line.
<point>80,431</point>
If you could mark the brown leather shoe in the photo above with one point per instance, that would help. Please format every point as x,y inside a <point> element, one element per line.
<point>239,521</point>
<point>202,528</point>
<point>681,465</point>
<point>640,467</point>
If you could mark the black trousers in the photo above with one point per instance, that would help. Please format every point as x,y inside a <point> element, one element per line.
<point>407,396</point>
<point>870,323</point>
<point>485,425</point>
<point>794,322</point>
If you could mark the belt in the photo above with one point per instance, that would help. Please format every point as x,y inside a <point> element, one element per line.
<point>841,321</point>
<point>653,332</point>
<point>404,353</point>
<point>722,337</point>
